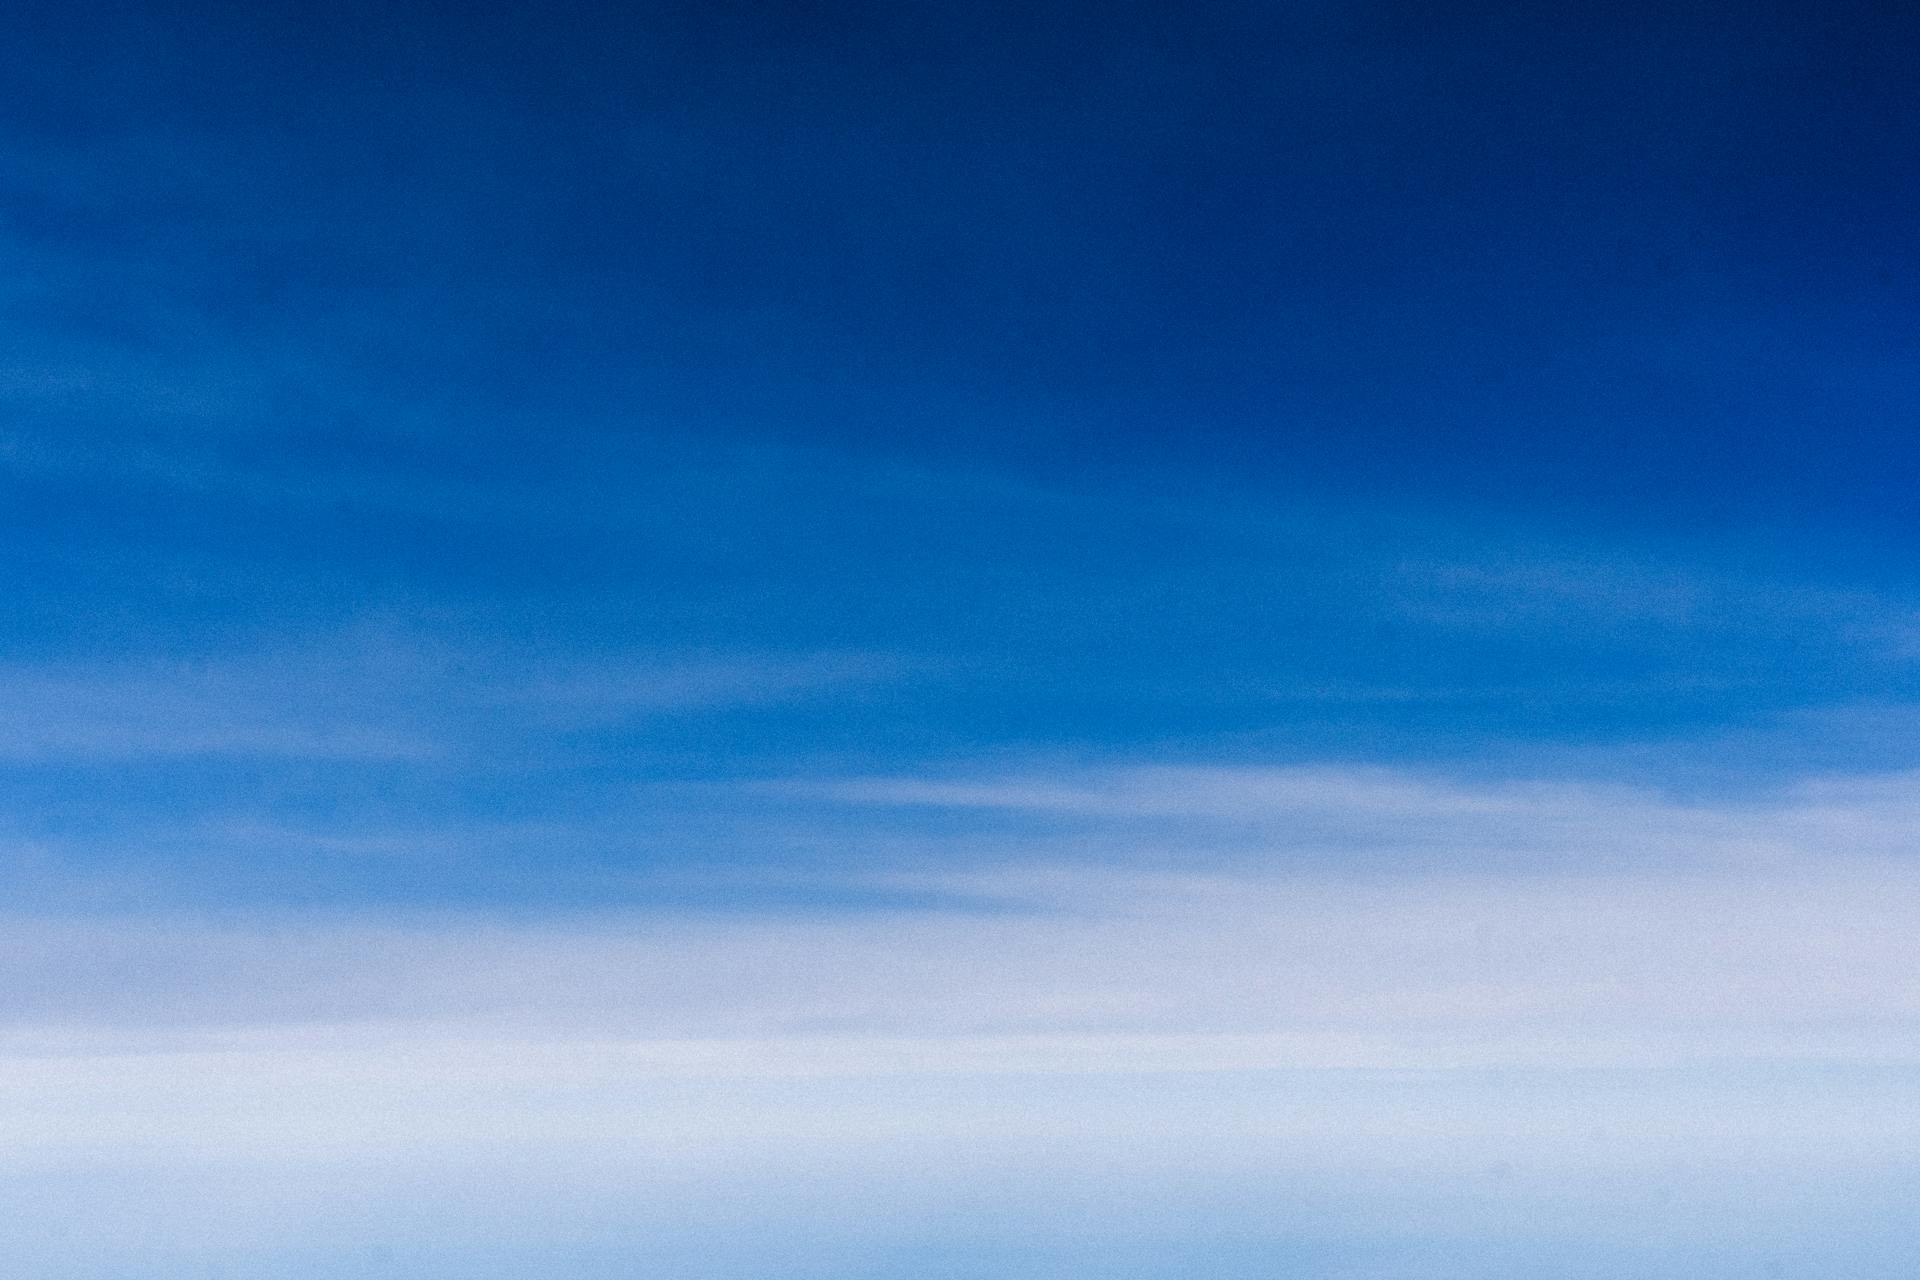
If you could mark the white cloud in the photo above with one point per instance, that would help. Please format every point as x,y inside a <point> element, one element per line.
<point>1787,932</point>
<point>1550,1052</point>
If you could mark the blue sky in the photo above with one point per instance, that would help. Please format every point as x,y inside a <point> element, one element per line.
<point>970,641</point>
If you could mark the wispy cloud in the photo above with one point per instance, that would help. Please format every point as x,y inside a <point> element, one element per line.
<point>127,710</point>
<point>1381,817</point>
<point>633,686</point>
<point>1457,917</point>
<point>379,695</point>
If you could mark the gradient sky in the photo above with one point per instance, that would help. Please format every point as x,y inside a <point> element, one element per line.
<point>973,641</point>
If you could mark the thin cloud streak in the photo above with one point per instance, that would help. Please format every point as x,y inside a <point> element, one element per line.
<point>1382,813</point>
<point>380,697</point>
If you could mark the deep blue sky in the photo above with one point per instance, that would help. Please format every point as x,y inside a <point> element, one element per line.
<point>1643,267</point>
<point>394,396</point>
